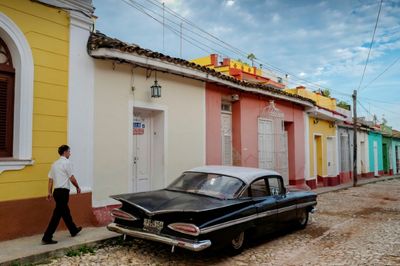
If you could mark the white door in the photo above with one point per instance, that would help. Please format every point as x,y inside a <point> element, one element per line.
<point>362,157</point>
<point>226,137</point>
<point>331,155</point>
<point>284,159</point>
<point>265,144</point>
<point>345,156</point>
<point>141,153</point>
<point>376,173</point>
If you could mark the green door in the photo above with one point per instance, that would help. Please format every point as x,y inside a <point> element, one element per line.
<point>385,158</point>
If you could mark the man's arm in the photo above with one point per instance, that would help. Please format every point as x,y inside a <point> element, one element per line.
<point>75,183</point>
<point>50,189</point>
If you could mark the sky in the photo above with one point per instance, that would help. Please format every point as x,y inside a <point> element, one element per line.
<point>319,44</point>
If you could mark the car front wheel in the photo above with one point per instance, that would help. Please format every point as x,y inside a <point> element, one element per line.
<point>302,219</point>
<point>237,243</point>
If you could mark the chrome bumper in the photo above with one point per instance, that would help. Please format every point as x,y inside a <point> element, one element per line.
<point>179,242</point>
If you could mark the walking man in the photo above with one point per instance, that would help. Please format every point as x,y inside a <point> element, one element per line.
<point>60,176</point>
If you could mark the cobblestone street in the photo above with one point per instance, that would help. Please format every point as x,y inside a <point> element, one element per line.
<point>357,226</point>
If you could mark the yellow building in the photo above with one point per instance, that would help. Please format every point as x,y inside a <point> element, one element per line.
<point>321,140</point>
<point>34,107</point>
<point>241,71</point>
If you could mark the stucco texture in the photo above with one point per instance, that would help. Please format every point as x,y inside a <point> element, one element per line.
<point>47,32</point>
<point>182,101</point>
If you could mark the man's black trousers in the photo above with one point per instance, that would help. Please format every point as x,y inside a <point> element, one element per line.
<point>61,197</point>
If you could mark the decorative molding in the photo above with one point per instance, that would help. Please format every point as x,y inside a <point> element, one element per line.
<point>6,165</point>
<point>23,62</point>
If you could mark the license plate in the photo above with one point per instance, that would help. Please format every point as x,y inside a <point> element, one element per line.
<point>152,225</point>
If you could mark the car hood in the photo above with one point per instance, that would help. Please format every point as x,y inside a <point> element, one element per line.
<point>169,201</point>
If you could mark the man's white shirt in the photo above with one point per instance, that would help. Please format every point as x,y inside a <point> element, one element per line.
<point>60,172</point>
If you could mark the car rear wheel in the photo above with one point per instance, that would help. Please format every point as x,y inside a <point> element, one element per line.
<point>237,243</point>
<point>302,218</point>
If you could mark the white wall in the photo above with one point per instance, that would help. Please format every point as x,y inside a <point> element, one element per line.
<point>183,100</point>
<point>362,136</point>
<point>80,101</point>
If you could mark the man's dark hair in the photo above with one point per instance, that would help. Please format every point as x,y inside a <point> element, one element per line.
<point>62,149</point>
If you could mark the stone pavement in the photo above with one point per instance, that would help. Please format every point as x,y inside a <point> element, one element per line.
<point>30,250</point>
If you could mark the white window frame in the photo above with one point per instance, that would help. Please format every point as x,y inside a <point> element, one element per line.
<point>23,106</point>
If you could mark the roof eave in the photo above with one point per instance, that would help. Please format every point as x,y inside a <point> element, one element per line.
<point>153,63</point>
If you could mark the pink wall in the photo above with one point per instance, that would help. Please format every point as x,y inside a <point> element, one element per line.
<point>213,126</point>
<point>245,113</point>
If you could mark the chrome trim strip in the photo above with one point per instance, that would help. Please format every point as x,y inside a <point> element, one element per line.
<point>286,209</point>
<point>237,221</point>
<point>179,242</point>
<point>254,216</point>
<point>302,205</point>
<point>227,224</point>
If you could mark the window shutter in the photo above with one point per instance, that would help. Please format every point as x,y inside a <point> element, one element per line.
<point>6,114</point>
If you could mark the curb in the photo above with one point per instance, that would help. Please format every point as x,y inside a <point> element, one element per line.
<point>47,256</point>
<point>359,184</point>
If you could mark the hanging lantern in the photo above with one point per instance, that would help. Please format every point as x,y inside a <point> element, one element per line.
<point>155,88</point>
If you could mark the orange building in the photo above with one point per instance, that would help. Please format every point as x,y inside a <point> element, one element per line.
<point>239,70</point>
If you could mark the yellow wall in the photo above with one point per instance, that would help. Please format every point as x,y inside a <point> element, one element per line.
<point>321,128</point>
<point>320,100</point>
<point>47,32</point>
<point>203,61</point>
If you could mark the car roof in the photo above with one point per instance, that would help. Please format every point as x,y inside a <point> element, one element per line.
<point>246,174</point>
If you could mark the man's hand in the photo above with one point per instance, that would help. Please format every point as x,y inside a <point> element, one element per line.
<point>49,196</point>
<point>78,190</point>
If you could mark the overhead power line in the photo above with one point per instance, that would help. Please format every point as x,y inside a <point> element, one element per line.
<point>202,34</point>
<point>370,46</point>
<point>383,72</point>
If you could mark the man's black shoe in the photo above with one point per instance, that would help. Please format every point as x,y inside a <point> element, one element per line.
<point>48,242</point>
<point>78,229</point>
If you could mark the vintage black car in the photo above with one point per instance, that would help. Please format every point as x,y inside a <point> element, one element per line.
<point>213,205</point>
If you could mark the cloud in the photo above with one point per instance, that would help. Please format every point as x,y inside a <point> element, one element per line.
<point>276,18</point>
<point>230,2</point>
<point>322,41</point>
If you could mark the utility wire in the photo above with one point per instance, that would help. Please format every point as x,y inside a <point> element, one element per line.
<point>370,46</point>
<point>235,50</point>
<point>194,42</point>
<point>383,72</point>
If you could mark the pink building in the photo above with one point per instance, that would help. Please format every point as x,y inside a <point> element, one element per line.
<point>257,129</point>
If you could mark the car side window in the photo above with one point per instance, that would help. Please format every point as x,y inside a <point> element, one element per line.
<point>275,185</point>
<point>258,188</point>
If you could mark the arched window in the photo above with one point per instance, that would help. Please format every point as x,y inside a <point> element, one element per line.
<point>7,76</point>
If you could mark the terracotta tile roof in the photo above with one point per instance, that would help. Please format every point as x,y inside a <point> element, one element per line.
<point>396,134</point>
<point>98,40</point>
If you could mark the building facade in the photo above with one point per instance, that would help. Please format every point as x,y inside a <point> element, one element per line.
<point>375,152</point>
<point>35,79</point>
<point>321,139</point>
<point>256,130</point>
<point>396,152</point>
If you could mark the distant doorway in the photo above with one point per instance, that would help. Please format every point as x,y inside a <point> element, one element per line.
<point>385,158</point>
<point>318,156</point>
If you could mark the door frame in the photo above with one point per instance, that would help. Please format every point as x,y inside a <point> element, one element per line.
<point>334,145</point>
<point>164,167</point>
<point>315,170</point>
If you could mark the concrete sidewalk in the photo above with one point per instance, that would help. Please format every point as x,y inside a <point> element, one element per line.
<point>30,250</point>
<point>27,250</point>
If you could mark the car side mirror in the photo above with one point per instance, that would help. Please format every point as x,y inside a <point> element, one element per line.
<point>284,191</point>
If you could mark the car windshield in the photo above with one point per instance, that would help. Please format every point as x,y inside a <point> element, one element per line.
<point>214,185</point>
